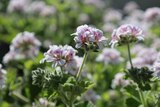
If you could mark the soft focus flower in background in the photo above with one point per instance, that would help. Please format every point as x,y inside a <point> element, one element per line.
<point>86,36</point>
<point>144,57</point>
<point>109,56</point>
<point>119,81</point>
<point>18,5</point>
<point>156,68</point>
<point>112,16</point>
<point>152,14</point>
<point>126,34</point>
<point>40,8</point>
<point>130,7</point>
<point>24,45</point>
<point>2,77</point>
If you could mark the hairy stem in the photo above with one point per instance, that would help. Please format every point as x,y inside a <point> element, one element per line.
<point>143,101</point>
<point>129,55</point>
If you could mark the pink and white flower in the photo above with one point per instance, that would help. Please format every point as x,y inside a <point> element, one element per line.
<point>109,56</point>
<point>59,55</point>
<point>126,33</point>
<point>18,5</point>
<point>86,35</point>
<point>24,45</point>
<point>152,14</point>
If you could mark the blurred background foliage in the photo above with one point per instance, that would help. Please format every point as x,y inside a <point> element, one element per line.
<point>57,29</point>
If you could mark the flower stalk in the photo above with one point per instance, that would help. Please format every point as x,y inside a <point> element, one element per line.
<point>143,101</point>
<point>129,55</point>
<point>81,67</point>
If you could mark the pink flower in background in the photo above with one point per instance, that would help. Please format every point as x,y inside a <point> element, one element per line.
<point>144,57</point>
<point>152,14</point>
<point>18,5</point>
<point>119,81</point>
<point>112,16</point>
<point>109,56</point>
<point>130,7</point>
<point>126,33</point>
<point>24,45</point>
<point>2,77</point>
<point>149,55</point>
<point>88,35</point>
<point>156,68</point>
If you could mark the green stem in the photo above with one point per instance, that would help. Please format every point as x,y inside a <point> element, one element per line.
<point>129,55</point>
<point>81,67</point>
<point>143,101</point>
<point>24,99</point>
<point>142,98</point>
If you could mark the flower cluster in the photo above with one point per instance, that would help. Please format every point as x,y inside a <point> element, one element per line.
<point>89,37</point>
<point>18,5</point>
<point>152,14</point>
<point>119,81</point>
<point>24,45</point>
<point>112,16</point>
<point>126,33</point>
<point>40,8</point>
<point>62,56</point>
<point>110,56</point>
<point>2,77</point>
<point>145,57</point>
<point>130,7</point>
<point>27,6</point>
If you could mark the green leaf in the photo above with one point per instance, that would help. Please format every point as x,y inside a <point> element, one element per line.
<point>130,102</point>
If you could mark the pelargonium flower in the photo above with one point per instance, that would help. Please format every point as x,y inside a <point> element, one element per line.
<point>125,34</point>
<point>12,56</point>
<point>86,37</point>
<point>145,57</point>
<point>112,16</point>
<point>59,55</point>
<point>149,55</point>
<point>130,7</point>
<point>137,62</point>
<point>73,65</point>
<point>40,8</point>
<point>156,68</point>
<point>18,5</point>
<point>152,14</point>
<point>24,45</point>
<point>109,56</point>
<point>2,77</point>
<point>119,81</point>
